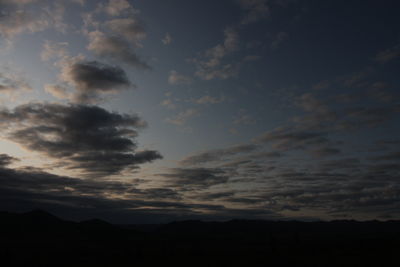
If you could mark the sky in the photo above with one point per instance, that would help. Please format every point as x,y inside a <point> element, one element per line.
<point>151,111</point>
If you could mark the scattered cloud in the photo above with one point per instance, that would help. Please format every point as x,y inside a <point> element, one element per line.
<point>177,78</point>
<point>54,50</point>
<point>279,39</point>
<point>18,2</point>
<point>183,117</point>
<point>19,21</point>
<point>243,118</point>
<point>81,2</point>
<point>114,47</point>
<point>251,58</point>
<point>209,64</point>
<point>255,10</point>
<point>207,100</point>
<point>168,103</point>
<point>12,82</point>
<point>58,91</point>
<point>388,54</point>
<point>167,39</point>
<point>116,7</point>
<point>55,15</point>
<point>130,28</point>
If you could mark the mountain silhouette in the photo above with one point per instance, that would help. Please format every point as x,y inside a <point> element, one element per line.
<point>38,238</point>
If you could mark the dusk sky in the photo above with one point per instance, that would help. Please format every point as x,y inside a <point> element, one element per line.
<point>149,111</point>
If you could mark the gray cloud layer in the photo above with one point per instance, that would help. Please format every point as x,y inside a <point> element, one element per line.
<point>87,138</point>
<point>27,188</point>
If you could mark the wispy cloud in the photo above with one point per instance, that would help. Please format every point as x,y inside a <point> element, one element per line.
<point>177,78</point>
<point>167,39</point>
<point>182,117</point>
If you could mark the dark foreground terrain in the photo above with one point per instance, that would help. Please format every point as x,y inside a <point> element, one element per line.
<point>40,239</point>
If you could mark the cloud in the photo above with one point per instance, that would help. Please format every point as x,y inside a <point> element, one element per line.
<point>346,116</point>
<point>167,39</point>
<point>217,154</point>
<point>183,117</point>
<point>12,82</point>
<point>325,152</point>
<point>58,91</point>
<point>279,39</point>
<point>12,85</point>
<point>168,103</point>
<point>176,78</point>
<point>205,100</point>
<point>116,7</point>
<point>17,2</point>
<point>243,118</point>
<point>194,178</point>
<point>130,28</point>
<point>213,196</point>
<point>310,103</point>
<point>28,188</point>
<point>290,138</point>
<point>81,2</point>
<point>116,48</point>
<point>392,156</point>
<point>54,50</point>
<point>388,54</point>
<point>15,22</point>
<point>360,117</point>
<point>224,72</point>
<point>6,160</point>
<point>255,10</point>
<point>87,138</point>
<point>55,16</point>
<point>92,79</point>
<point>321,85</point>
<point>209,64</point>
<point>250,58</point>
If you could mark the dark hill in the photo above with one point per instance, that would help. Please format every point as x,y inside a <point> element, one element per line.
<point>38,238</point>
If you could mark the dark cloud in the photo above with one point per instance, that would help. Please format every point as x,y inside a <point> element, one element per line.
<point>217,154</point>
<point>392,156</point>
<point>93,79</point>
<point>270,154</point>
<point>343,164</point>
<point>291,138</point>
<point>6,160</point>
<point>371,116</point>
<point>325,152</point>
<point>29,188</point>
<point>157,193</point>
<point>88,138</point>
<point>195,178</point>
